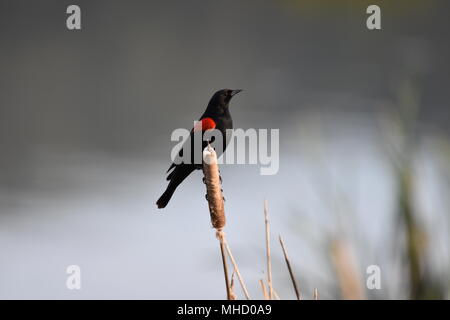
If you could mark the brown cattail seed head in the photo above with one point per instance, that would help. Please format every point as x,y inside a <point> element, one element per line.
<point>213,188</point>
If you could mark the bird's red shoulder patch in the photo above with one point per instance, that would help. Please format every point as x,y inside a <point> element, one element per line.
<point>204,124</point>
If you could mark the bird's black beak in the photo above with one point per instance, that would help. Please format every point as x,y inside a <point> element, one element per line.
<point>235,92</point>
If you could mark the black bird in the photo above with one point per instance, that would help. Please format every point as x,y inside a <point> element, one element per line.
<point>216,116</point>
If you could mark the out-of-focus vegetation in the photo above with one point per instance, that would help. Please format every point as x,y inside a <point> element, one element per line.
<point>408,240</point>
<point>422,283</point>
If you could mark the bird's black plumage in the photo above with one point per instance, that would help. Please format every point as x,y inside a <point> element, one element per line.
<point>217,112</point>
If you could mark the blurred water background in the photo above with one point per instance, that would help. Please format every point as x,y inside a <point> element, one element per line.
<point>85,124</point>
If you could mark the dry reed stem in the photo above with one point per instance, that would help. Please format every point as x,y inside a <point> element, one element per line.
<point>275,294</point>
<point>216,205</point>
<point>233,295</point>
<point>316,294</point>
<point>264,289</point>
<point>236,269</point>
<point>269,263</point>
<point>232,279</point>
<point>286,257</point>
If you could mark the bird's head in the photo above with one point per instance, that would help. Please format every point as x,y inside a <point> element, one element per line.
<point>223,97</point>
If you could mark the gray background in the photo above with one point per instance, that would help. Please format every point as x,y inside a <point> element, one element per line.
<point>86,118</point>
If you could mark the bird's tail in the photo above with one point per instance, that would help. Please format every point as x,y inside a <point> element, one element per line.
<point>179,173</point>
<point>165,198</point>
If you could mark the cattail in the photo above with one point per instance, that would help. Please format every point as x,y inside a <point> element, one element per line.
<point>213,188</point>
<point>216,206</point>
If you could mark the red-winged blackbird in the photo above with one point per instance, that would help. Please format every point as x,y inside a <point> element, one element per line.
<point>216,116</point>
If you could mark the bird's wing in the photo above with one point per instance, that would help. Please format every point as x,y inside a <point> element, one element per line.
<point>201,125</point>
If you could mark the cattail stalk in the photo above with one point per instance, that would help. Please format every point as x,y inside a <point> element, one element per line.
<point>216,206</point>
